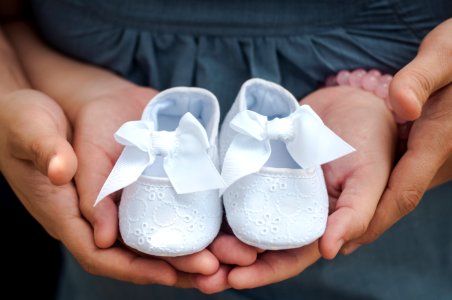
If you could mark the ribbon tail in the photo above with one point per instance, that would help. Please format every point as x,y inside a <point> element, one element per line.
<point>323,146</point>
<point>130,165</point>
<point>245,156</point>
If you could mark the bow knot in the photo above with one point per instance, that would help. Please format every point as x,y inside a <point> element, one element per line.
<point>280,129</point>
<point>309,142</point>
<point>185,156</point>
<point>162,142</point>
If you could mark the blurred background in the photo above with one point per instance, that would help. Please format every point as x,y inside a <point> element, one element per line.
<point>29,255</point>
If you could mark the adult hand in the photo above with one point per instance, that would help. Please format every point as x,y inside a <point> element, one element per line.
<point>97,103</point>
<point>428,72</point>
<point>427,162</point>
<point>421,91</point>
<point>33,144</point>
<point>355,183</point>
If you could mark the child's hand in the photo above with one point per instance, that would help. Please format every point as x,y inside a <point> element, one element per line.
<point>355,182</point>
<point>97,152</point>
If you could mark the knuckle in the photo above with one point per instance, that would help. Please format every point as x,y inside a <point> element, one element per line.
<point>38,150</point>
<point>408,201</point>
<point>86,208</point>
<point>424,80</point>
<point>85,212</point>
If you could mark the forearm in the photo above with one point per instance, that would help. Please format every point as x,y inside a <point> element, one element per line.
<point>12,77</point>
<point>68,81</point>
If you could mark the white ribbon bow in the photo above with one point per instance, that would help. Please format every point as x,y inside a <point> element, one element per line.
<point>308,141</point>
<point>186,162</point>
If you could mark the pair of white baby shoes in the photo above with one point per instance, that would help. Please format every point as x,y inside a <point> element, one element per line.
<point>271,182</point>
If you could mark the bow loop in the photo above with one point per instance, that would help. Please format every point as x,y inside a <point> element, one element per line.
<point>135,133</point>
<point>184,151</point>
<point>308,141</point>
<point>250,123</point>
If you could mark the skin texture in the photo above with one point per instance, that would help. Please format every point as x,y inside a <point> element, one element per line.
<point>427,73</point>
<point>89,94</point>
<point>41,157</point>
<point>421,91</point>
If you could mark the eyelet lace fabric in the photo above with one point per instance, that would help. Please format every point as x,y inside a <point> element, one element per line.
<point>278,211</point>
<point>155,220</point>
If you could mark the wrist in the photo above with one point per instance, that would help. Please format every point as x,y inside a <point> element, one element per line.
<point>375,82</point>
<point>118,92</point>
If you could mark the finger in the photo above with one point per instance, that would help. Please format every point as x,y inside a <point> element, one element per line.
<point>203,262</point>
<point>407,184</point>
<point>39,135</point>
<point>214,283</point>
<point>115,262</point>
<point>50,153</point>
<point>430,70</point>
<point>94,166</point>
<point>354,208</point>
<point>274,266</point>
<point>229,250</point>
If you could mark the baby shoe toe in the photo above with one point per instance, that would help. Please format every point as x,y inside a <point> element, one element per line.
<point>275,209</point>
<point>155,220</point>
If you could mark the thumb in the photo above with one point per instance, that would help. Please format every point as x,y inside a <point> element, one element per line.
<point>39,135</point>
<point>430,70</point>
<point>53,156</point>
<point>407,184</point>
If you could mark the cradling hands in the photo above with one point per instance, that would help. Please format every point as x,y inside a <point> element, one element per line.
<point>97,103</point>
<point>420,92</point>
<point>39,163</point>
<point>355,183</point>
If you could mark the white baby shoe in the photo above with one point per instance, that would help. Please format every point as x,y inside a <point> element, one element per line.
<point>170,205</point>
<point>272,149</point>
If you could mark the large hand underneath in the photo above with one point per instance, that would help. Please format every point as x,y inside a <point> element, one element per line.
<point>97,103</point>
<point>32,145</point>
<point>421,91</point>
